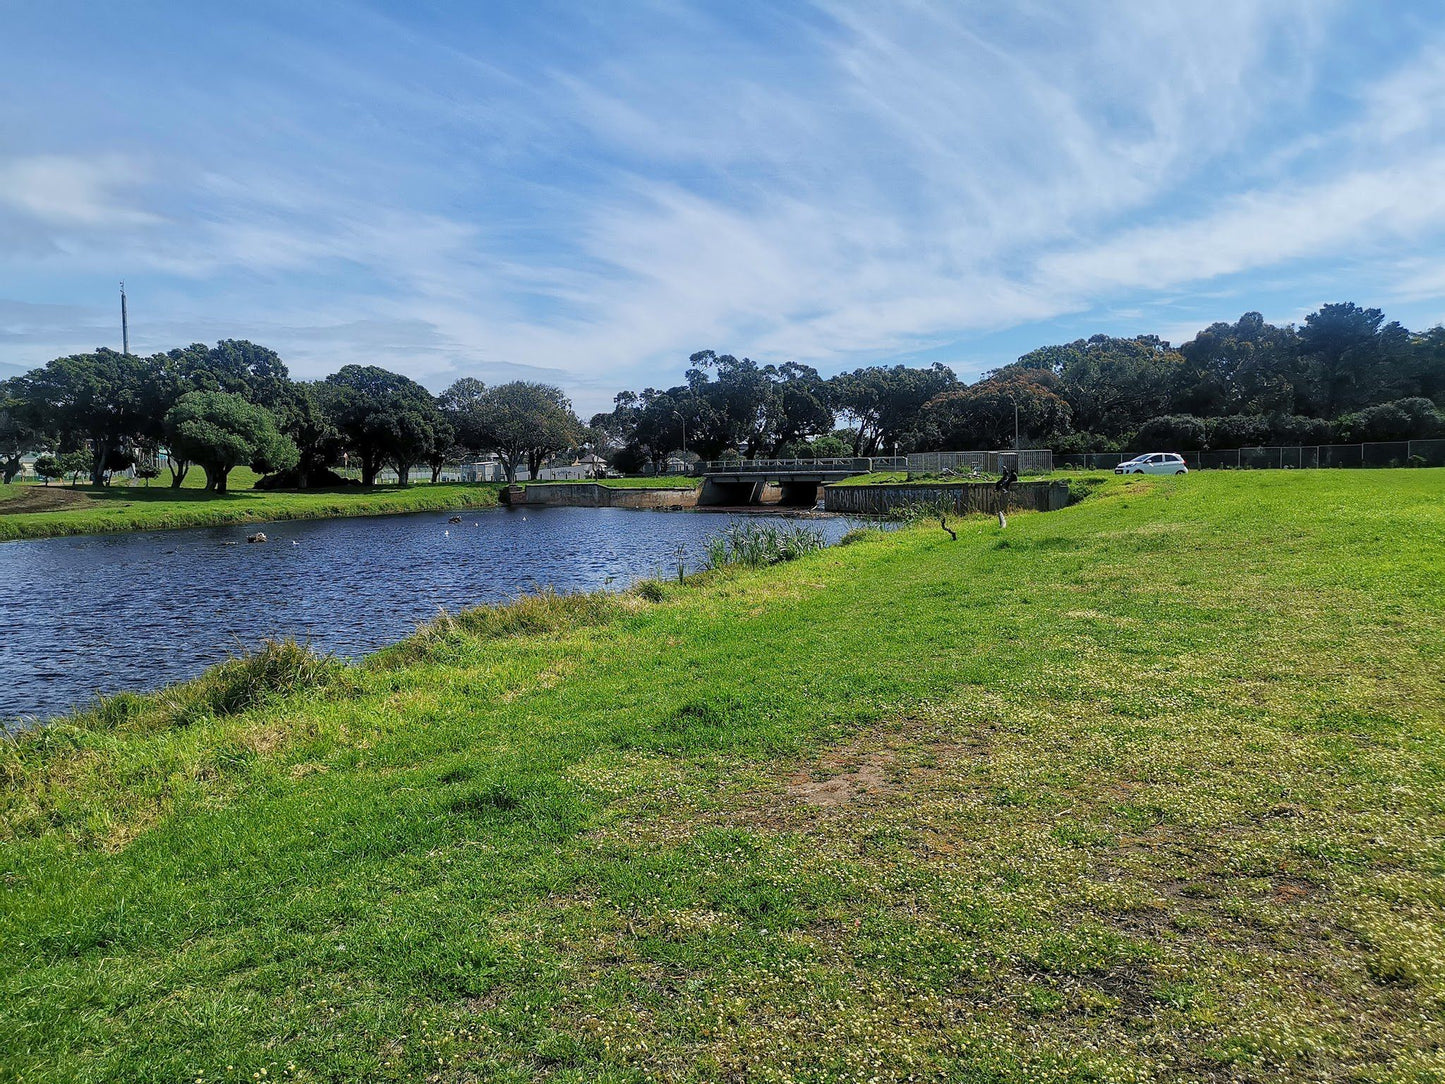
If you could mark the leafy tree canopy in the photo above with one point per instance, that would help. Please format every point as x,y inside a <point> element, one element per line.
<point>382,417</point>
<point>99,398</point>
<point>523,421</point>
<point>983,415</point>
<point>221,430</point>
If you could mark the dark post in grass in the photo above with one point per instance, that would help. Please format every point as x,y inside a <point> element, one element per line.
<point>1002,486</point>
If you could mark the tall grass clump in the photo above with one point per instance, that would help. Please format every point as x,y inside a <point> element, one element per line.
<point>276,669</point>
<point>754,545</point>
<point>546,611</point>
<point>922,509</point>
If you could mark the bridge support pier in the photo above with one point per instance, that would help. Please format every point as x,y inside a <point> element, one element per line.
<point>738,492</point>
<point>799,494</point>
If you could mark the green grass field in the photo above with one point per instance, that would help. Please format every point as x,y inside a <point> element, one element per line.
<point>31,511</point>
<point>1151,788</point>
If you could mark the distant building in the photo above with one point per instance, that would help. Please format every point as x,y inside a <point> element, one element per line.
<point>489,469</point>
<point>580,469</point>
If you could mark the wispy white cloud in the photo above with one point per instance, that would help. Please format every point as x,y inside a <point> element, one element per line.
<point>1352,216</point>
<point>74,190</point>
<point>833,182</point>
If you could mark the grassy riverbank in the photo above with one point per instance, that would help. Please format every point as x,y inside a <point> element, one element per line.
<point>43,511</point>
<point>1148,788</point>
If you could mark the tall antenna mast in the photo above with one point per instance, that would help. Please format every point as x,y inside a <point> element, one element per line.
<point>124,324</point>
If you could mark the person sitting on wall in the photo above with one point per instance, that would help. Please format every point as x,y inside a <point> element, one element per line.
<point>1006,480</point>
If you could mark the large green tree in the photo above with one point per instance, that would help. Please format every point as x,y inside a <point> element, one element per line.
<point>984,415</point>
<point>220,431</point>
<point>384,417</point>
<point>302,416</point>
<point>464,406</point>
<point>442,448</point>
<point>801,405</point>
<point>527,422</point>
<point>1355,357</point>
<point>1247,367</point>
<point>238,366</point>
<point>100,399</point>
<point>1112,385</point>
<point>1425,366</point>
<point>733,410</point>
<point>19,430</point>
<point>883,405</point>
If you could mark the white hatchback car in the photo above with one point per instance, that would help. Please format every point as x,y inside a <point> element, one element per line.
<point>1154,463</point>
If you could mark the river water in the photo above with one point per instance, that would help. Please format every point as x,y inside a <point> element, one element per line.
<point>104,613</point>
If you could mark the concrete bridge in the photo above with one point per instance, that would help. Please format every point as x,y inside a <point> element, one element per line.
<point>794,483</point>
<point>799,482</point>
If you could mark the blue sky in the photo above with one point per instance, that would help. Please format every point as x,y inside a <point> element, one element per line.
<point>586,193</point>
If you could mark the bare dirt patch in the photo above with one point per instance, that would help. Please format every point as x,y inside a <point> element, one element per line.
<point>874,768</point>
<point>41,499</point>
<point>841,780</point>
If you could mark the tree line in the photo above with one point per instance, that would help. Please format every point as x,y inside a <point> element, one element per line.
<point>216,408</point>
<point>1344,375</point>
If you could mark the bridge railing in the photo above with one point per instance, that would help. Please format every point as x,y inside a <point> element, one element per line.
<point>861,464</point>
<point>1025,461</point>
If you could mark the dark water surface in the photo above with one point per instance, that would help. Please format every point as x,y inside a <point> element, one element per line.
<point>105,613</point>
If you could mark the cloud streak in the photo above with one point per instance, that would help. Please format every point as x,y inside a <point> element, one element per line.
<point>592,199</point>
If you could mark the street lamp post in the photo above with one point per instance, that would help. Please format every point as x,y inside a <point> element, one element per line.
<point>680,418</point>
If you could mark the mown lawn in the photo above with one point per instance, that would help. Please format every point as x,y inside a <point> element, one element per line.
<point>32,511</point>
<point>1149,788</point>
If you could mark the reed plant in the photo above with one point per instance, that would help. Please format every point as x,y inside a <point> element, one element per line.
<point>756,545</point>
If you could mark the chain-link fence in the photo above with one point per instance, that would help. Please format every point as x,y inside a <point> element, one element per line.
<point>1026,461</point>
<point>1389,453</point>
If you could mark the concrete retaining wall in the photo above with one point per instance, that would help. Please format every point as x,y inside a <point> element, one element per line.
<point>592,495</point>
<point>964,498</point>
